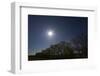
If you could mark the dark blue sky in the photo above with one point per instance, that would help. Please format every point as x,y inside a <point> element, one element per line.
<point>65,28</point>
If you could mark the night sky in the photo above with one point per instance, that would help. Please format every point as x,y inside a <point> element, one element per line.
<point>64,28</point>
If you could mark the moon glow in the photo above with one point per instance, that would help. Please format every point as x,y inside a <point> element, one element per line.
<point>50,33</point>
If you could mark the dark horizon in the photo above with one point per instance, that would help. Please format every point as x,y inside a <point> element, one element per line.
<point>65,28</point>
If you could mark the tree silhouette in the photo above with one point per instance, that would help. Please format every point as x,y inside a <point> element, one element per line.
<point>75,48</point>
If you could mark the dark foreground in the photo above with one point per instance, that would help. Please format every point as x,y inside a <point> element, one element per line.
<point>32,58</point>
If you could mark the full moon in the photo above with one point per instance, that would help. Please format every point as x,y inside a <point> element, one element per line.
<point>50,33</point>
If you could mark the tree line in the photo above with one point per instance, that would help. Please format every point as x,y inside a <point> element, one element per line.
<point>75,48</point>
